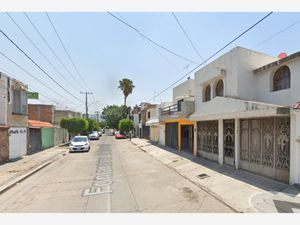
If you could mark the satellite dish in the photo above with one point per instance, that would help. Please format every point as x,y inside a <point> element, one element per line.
<point>282,55</point>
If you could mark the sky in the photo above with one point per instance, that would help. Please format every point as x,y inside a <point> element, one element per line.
<point>104,50</point>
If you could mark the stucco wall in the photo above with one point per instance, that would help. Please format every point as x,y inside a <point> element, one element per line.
<point>185,89</point>
<point>235,68</point>
<point>283,97</point>
<point>154,133</point>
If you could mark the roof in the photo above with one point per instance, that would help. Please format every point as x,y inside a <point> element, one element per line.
<point>277,62</point>
<point>39,124</point>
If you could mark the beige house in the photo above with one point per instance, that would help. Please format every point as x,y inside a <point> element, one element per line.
<point>153,123</point>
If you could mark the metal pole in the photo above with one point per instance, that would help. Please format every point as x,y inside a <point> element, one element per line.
<point>86,102</point>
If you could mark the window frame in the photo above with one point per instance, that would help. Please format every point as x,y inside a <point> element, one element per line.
<point>207,96</point>
<point>217,86</point>
<point>282,77</point>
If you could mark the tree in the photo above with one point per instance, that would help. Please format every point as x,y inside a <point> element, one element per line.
<point>102,124</point>
<point>126,85</point>
<point>126,125</point>
<point>93,125</point>
<point>74,125</point>
<point>113,114</point>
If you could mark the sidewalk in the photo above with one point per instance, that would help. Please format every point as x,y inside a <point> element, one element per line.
<point>13,172</point>
<point>241,190</point>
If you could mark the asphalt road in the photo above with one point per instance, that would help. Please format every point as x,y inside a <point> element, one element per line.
<point>115,176</point>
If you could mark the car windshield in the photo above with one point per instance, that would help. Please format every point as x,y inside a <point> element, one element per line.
<point>79,139</point>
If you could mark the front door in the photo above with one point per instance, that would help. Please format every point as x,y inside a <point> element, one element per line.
<point>187,138</point>
<point>229,142</point>
<point>172,135</point>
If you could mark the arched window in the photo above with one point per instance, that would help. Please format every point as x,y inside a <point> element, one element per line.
<point>207,93</point>
<point>220,88</point>
<point>282,79</point>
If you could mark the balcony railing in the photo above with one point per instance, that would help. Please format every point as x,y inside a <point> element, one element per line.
<point>169,110</point>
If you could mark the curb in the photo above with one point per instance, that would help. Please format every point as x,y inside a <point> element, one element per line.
<point>21,178</point>
<point>207,190</point>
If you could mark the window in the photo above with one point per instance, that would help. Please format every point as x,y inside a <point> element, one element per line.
<point>220,88</point>
<point>207,94</point>
<point>140,117</point>
<point>148,115</point>
<point>19,102</point>
<point>282,79</point>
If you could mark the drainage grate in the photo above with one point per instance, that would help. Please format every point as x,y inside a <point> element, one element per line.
<point>202,176</point>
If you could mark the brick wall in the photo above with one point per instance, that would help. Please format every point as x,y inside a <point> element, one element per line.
<point>41,112</point>
<point>4,151</point>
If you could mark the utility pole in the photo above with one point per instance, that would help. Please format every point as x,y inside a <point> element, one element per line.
<point>86,102</point>
<point>97,113</point>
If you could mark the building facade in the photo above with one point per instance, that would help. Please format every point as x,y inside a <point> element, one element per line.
<point>175,125</point>
<point>244,115</point>
<point>13,117</point>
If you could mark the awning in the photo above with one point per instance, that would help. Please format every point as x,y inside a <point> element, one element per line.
<point>152,122</point>
<point>39,124</point>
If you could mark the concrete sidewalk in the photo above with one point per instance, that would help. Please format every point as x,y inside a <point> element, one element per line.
<point>13,172</point>
<point>241,190</point>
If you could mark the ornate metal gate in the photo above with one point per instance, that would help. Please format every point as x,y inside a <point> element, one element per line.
<point>229,142</point>
<point>207,139</point>
<point>265,147</point>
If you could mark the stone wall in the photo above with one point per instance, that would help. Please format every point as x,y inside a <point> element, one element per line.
<point>4,152</point>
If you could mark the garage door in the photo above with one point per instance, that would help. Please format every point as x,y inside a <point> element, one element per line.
<point>17,142</point>
<point>265,147</point>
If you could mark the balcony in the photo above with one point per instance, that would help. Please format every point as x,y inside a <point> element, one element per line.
<point>181,110</point>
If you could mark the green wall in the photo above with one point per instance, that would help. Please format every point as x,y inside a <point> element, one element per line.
<point>47,137</point>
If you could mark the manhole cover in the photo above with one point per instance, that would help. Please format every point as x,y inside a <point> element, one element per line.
<point>202,176</point>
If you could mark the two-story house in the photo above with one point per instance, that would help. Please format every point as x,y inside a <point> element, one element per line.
<point>244,114</point>
<point>178,128</point>
<point>135,118</point>
<point>153,122</point>
<point>144,131</point>
<point>13,117</point>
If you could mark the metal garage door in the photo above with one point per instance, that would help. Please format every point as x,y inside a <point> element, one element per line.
<point>17,142</point>
<point>172,135</point>
<point>265,147</point>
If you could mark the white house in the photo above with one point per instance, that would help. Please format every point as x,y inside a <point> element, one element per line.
<point>244,114</point>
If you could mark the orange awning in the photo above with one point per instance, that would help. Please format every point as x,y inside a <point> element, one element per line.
<point>39,124</point>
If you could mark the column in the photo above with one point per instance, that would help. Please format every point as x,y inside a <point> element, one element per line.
<point>295,147</point>
<point>195,138</point>
<point>237,143</point>
<point>221,141</point>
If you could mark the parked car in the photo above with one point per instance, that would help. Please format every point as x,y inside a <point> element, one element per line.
<point>94,135</point>
<point>119,135</point>
<point>80,144</point>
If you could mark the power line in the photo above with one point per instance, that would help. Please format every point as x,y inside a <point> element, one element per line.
<point>276,34</point>
<point>51,49</point>
<point>65,49</point>
<point>187,36</point>
<point>149,39</point>
<point>27,56</point>
<point>37,48</point>
<point>31,75</point>
<point>221,49</point>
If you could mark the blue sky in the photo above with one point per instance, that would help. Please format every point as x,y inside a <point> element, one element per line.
<point>105,50</point>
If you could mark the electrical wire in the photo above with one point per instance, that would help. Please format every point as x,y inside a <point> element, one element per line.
<point>66,51</point>
<point>38,49</point>
<point>214,54</point>
<point>27,56</point>
<point>187,36</point>
<point>149,39</point>
<point>51,49</point>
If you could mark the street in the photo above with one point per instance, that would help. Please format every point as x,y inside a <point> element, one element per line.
<point>114,176</point>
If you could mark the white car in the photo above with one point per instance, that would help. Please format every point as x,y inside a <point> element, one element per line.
<point>94,135</point>
<point>80,144</point>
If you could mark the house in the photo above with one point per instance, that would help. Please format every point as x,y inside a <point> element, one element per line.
<point>13,118</point>
<point>245,114</point>
<point>59,114</point>
<point>174,120</point>
<point>144,131</point>
<point>153,122</point>
<point>135,118</point>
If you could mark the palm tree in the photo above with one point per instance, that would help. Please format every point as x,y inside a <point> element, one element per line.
<point>126,85</point>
